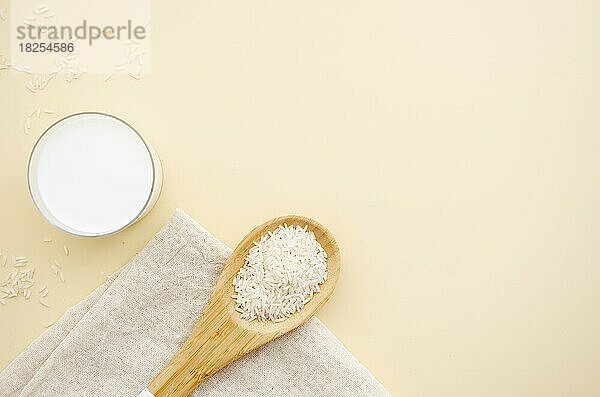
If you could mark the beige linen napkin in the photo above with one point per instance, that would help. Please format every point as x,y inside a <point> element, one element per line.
<point>115,341</point>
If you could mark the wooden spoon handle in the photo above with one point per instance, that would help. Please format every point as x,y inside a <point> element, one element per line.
<point>210,347</point>
<point>215,342</point>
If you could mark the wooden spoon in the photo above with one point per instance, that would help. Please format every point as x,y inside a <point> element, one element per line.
<point>220,335</point>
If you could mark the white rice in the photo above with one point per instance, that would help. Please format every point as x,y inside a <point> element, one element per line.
<point>281,273</point>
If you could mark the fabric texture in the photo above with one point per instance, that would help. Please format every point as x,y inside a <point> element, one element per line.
<point>116,340</point>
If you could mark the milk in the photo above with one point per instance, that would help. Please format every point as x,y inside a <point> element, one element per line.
<point>91,174</point>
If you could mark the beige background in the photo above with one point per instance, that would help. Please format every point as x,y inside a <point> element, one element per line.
<point>452,148</point>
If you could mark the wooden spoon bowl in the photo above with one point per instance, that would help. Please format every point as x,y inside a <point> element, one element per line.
<point>220,336</point>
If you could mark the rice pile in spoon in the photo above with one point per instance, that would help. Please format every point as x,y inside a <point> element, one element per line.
<point>281,273</point>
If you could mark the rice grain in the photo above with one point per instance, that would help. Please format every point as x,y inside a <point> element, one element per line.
<point>281,273</point>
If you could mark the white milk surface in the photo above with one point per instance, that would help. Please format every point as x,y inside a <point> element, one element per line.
<point>93,174</point>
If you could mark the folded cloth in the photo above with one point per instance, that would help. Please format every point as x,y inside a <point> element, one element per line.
<point>115,341</point>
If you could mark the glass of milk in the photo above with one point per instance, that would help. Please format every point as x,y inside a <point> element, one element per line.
<point>92,174</point>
